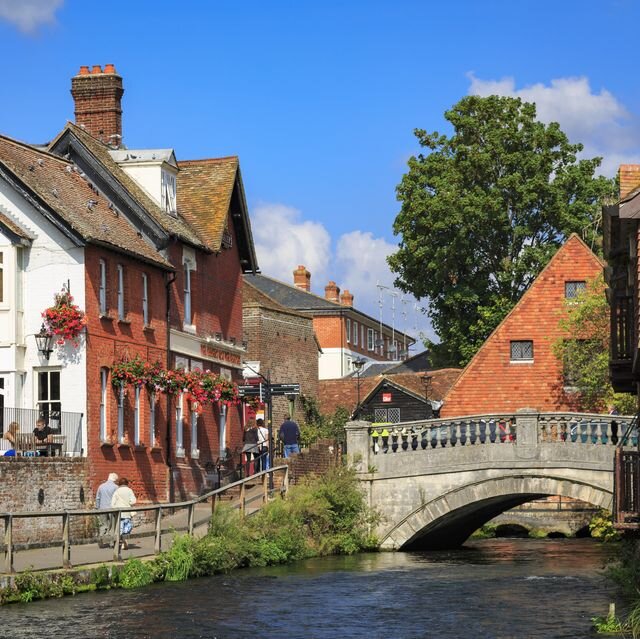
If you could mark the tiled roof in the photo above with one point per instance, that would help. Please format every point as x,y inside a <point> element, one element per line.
<point>204,195</point>
<point>173,225</point>
<point>14,227</point>
<point>343,392</point>
<point>253,296</point>
<point>290,296</point>
<point>62,190</point>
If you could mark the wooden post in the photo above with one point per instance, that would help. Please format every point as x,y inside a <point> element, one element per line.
<point>192,510</point>
<point>214,499</point>
<point>285,483</point>
<point>157,546</point>
<point>265,487</point>
<point>242,491</point>
<point>8,544</point>
<point>117,556</point>
<point>66,542</point>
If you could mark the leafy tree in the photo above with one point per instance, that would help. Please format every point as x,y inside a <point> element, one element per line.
<point>482,212</point>
<point>585,351</point>
<point>317,425</point>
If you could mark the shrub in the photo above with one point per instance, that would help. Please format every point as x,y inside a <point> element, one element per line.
<point>135,574</point>
<point>601,527</point>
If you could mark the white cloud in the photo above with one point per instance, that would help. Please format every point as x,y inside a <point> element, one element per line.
<point>597,119</point>
<point>284,240</point>
<point>28,15</point>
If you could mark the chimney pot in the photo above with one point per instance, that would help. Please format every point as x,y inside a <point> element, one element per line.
<point>346,299</point>
<point>98,103</point>
<point>302,278</point>
<point>332,292</point>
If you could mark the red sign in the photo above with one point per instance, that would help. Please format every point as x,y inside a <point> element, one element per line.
<point>386,397</point>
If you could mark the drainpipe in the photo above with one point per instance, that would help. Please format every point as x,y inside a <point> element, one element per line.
<point>170,280</point>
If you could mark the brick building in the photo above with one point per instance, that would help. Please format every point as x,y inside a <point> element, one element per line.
<point>344,333</point>
<point>154,251</point>
<point>282,344</point>
<point>516,367</point>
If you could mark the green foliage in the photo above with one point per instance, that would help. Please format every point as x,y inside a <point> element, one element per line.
<point>101,577</point>
<point>482,212</point>
<point>316,425</point>
<point>608,624</point>
<point>31,585</point>
<point>601,527</point>
<point>488,531</point>
<point>136,574</point>
<point>625,571</point>
<point>585,351</point>
<point>178,561</point>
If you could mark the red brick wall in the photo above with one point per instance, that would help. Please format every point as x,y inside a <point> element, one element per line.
<point>108,340</point>
<point>315,460</point>
<point>491,382</point>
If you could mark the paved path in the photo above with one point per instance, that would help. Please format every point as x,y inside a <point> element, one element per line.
<point>141,542</point>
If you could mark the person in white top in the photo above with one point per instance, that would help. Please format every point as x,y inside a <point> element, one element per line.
<point>123,497</point>
<point>263,441</point>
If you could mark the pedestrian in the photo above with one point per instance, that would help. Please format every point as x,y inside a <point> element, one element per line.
<point>42,435</point>
<point>289,433</point>
<point>11,436</point>
<point>123,497</point>
<point>250,448</point>
<point>263,442</point>
<point>103,500</point>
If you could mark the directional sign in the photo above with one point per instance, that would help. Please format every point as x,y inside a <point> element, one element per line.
<point>285,389</point>
<point>249,390</point>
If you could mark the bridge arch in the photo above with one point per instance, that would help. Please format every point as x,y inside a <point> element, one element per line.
<point>448,520</point>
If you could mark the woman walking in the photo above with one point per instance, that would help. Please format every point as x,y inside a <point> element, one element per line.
<point>123,497</point>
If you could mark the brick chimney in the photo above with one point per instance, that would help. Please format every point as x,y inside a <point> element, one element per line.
<point>97,95</point>
<point>629,178</point>
<point>346,299</point>
<point>302,278</point>
<point>332,292</point>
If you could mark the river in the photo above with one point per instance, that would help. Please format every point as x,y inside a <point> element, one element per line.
<point>490,589</point>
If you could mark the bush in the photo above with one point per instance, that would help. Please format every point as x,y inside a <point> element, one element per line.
<point>135,574</point>
<point>601,527</point>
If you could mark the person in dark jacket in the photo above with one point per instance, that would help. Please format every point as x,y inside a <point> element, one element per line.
<point>289,433</point>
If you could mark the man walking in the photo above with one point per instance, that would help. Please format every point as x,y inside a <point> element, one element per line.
<point>103,500</point>
<point>289,433</point>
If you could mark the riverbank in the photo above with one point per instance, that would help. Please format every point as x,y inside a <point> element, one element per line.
<point>321,516</point>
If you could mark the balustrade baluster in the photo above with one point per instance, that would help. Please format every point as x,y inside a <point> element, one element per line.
<point>483,431</point>
<point>563,431</point>
<point>573,432</point>
<point>454,430</point>
<point>404,435</point>
<point>492,431</point>
<point>394,440</point>
<point>423,439</point>
<point>463,433</point>
<point>414,440</point>
<point>583,432</point>
<point>604,432</point>
<point>473,433</point>
<point>594,432</point>
<point>444,435</point>
<point>434,436</point>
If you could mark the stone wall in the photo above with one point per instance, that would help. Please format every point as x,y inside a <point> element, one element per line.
<point>44,485</point>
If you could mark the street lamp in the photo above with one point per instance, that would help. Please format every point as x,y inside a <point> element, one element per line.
<point>425,378</point>
<point>358,364</point>
<point>44,342</point>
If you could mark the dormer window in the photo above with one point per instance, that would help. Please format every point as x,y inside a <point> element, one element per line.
<point>168,193</point>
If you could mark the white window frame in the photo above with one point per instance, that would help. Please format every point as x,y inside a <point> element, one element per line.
<point>195,451</point>
<point>371,342</point>
<point>121,393</point>
<point>223,429</point>
<point>362,333</point>
<point>102,293</point>
<point>348,331</point>
<point>136,417</point>
<point>152,418</point>
<point>355,333</point>
<point>120,271</point>
<point>179,427</point>
<point>104,386</point>
<point>187,295</point>
<point>145,299</point>
<point>2,279</point>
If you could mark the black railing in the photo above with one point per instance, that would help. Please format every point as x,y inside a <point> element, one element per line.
<point>64,436</point>
<point>622,328</point>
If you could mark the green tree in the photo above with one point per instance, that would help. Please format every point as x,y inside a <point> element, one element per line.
<point>585,351</point>
<point>482,212</point>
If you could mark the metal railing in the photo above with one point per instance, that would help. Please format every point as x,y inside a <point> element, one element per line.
<point>65,438</point>
<point>262,495</point>
<point>622,328</point>
<point>626,480</point>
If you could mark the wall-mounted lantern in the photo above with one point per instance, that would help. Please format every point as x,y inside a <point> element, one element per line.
<point>44,342</point>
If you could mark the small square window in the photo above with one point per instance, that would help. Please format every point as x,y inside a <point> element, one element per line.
<point>521,350</point>
<point>573,289</point>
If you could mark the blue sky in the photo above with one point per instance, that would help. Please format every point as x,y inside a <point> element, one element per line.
<point>319,100</point>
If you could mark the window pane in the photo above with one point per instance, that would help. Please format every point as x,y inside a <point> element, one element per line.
<point>522,350</point>
<point>54,385</point>
<point>43,386</point>
<point>573,289</point>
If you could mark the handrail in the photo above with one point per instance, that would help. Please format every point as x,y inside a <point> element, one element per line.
<point>214,495</point>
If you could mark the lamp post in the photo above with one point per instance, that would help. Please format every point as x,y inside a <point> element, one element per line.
<point>44,342</point>
<point>426,380</point>
<point>358,364</point>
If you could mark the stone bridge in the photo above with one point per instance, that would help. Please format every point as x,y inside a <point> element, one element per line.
<point>435,482</point>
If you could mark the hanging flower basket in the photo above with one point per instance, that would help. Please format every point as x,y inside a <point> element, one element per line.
<point>64,319</point>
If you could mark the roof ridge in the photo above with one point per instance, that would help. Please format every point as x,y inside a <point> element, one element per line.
<point>209,160</point>
<point>33,149</point>
<point>296,288</point>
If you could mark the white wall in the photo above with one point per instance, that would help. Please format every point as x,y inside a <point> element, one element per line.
<point>50,262</point>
